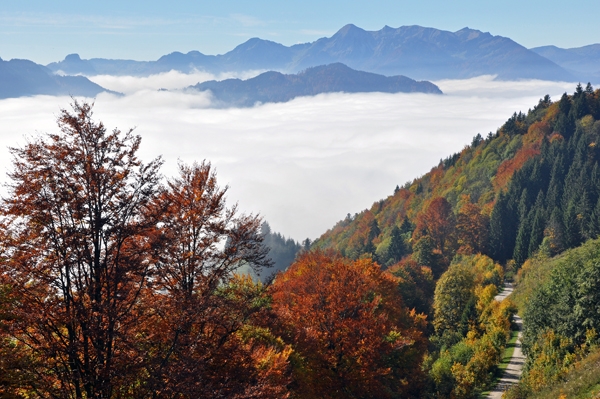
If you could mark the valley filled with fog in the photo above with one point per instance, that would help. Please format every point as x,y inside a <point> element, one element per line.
<point>304,164</point>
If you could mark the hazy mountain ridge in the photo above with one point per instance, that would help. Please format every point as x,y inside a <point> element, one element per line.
<point>582,62</point>
<point>26,78</point>
<point>414,51</point>
<point>277,87</point>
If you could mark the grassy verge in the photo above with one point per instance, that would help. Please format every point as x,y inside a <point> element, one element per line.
<point>506,356</point>
<point>508,353</point>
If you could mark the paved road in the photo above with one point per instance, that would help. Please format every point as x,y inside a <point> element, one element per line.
<point>515,367</point>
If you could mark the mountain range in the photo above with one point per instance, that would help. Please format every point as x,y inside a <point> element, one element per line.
<point>414,51</point>
<point>277,87</point>
<point>582,62</point>
<point>24,78</point>
<point>417,52</point>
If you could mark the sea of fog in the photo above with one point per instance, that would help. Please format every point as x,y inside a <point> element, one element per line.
<point>305,164</point>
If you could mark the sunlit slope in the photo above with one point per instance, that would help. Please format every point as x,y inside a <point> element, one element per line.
<point>535,178</point>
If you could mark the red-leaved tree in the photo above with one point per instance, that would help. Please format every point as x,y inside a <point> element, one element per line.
<point>346,321</point>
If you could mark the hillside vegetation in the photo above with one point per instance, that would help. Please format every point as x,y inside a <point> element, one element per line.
<point>115,283</point>
<point>533,182</point>
<point>559,301</point>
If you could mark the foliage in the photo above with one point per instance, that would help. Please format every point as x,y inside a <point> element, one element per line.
<point>533,185</point>
<point>353,336</point>
<point>416,285</point>
<point>471,328</point>
<point>560,313</point>
<point>114,286</point>
<point>582,381</point>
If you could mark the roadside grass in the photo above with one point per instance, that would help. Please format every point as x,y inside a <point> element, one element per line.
<point>508,353</point>
<point>506,356</point>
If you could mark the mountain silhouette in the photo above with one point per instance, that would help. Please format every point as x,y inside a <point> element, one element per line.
<point>277,87</point>
<point>25,78</point>
<point>582,62</point>
<point>415,51</point>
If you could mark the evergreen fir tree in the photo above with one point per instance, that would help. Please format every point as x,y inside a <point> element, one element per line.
<point>397,247</point>
<point>522,242</point>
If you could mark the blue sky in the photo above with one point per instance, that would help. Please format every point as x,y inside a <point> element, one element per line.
<point>46,31</point>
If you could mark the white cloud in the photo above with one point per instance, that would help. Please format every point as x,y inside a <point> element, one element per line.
<point>171,80</point>
<point>307,163</point>
<point>246,20</point>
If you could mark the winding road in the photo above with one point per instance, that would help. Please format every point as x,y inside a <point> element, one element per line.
<point>515,367</point>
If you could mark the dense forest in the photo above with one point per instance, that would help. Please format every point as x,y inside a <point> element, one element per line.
<point>282,252</point>
<point>116,283</point>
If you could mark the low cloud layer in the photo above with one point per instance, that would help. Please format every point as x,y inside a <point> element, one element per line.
<point>304,164</point>
<point>172,80</point>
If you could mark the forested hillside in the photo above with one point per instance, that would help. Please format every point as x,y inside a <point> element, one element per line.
<point>115,283</point>
<point>533,182</point>
<point>518,197</point>
<point>559,300</point>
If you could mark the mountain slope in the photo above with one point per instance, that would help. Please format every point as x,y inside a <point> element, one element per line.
<point>25,78</point>
<point>415,51</point>
<point>582,62</point>
<point>533,184</point>
<point>277,87</point>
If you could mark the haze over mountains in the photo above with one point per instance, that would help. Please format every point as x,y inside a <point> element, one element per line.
<point>22,78</point>
<point>413,51</point>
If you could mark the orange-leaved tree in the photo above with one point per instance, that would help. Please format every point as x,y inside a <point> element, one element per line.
<point>347,323</point>
<point>437,221</point>
<point>203,314</point>
<point>112,286</point>
<point>76,254</point>
<point>472,228</point>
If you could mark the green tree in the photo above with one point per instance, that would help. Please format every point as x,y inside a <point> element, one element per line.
<point>397,248</point>
<point>453,293</point>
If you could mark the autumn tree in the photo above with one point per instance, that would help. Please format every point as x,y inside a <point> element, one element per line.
<point>347,323</point>
<point>76,256</point>
<point>201,308</point>
<point>437,221</point>
<point>115,286</point>
<point>472,229</point>
<point>453,294</point>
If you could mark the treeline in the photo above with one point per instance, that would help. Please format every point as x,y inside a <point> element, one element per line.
<point>282,252</point>
<point>554,195</point>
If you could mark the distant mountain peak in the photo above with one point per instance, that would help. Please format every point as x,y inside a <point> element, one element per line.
<point>73,57</point>
<point>467,33</point>
<point>349,29</point>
